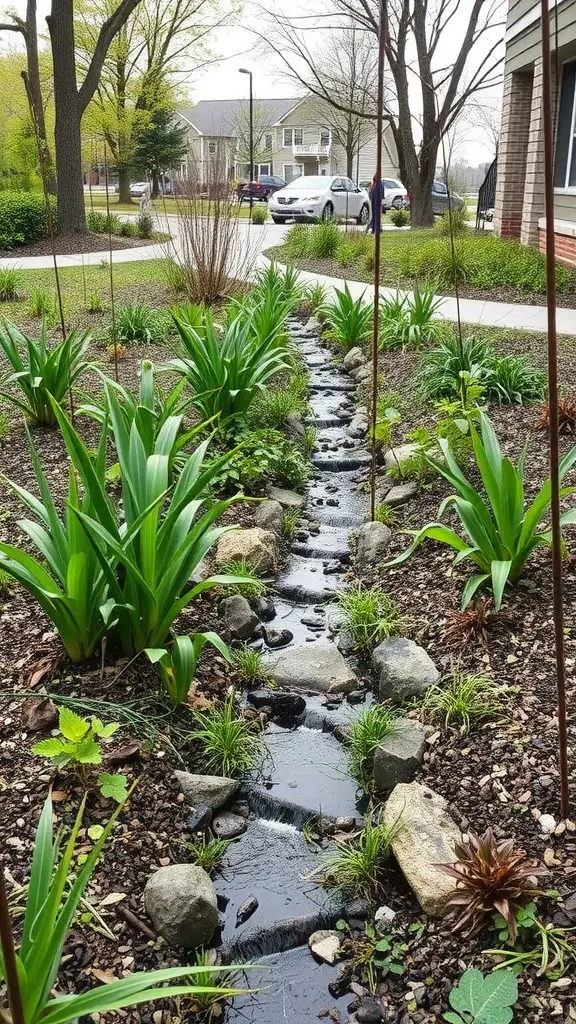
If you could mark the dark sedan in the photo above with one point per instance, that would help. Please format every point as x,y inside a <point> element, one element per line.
<point>261,189</point>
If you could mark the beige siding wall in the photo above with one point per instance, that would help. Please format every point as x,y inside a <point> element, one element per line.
<point>523,48</point>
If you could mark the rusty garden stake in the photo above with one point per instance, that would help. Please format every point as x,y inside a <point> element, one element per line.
<point>377,218</point>
<point>553,411</point>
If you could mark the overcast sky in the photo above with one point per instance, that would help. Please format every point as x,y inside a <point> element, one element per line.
<point>237,47</point>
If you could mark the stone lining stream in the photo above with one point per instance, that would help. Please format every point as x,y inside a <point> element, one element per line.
<point>306,776</point>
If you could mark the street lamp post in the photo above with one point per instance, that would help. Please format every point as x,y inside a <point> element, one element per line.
<point>244,71</point>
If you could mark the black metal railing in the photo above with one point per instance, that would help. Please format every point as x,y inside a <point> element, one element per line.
<point>487,194</point>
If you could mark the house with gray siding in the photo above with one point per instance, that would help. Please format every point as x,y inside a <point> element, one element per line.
<point>292,137</point>
<point>519,210</point>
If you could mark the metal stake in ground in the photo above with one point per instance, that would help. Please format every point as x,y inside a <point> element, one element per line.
<point>377,225</point>
<point>553,410</point>
<point>9,957</point>
<point>111,269</point>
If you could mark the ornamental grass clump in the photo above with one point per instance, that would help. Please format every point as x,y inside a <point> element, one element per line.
<point>500,530</point>
<point>350,320</point>
<point>491,877</point>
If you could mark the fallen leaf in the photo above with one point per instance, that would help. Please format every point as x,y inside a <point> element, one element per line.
<point>104,976</point>
<point>112,898</point>
<point>59,796</point>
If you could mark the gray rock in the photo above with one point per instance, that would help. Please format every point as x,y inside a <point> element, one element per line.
<point>358,426</point>
<point>398,455</point>
<point>283,704</point>
<point>425,837</point>
<point>384,920</point>
<point>347,824</point>
<point>239,617</point>
<point>398,756</point>
<point>228,825</point>
<point>353,358</point>
<point>259,548</point>
<point>364,372</point>
<point>288,499</point>
<point>269,515</point>
<point>249,907</point>
<point>199,818</point>
<point>369,1011</point>
<point>400,494</point>
<point>403,669</point>
<point>265,608</point>
<point>373,541</point>
<point>213,790</point>
<point>181,902</point>
<point>278,637</point>
<point>318,666</point>
<point>325,945</point>
<point>295,428</point>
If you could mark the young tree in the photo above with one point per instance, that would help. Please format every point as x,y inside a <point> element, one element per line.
<point>159,146</point>
<point>439,54</point>
<point>263,120</point>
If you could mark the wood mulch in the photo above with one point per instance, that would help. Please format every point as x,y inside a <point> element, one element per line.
<point>73,245</point>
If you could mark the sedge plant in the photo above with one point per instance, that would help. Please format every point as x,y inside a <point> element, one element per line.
<point>39,371</point>
<point>230,744</point>
<point>178,663</point>
<point>52,901</point>
<point>369,615</point>
<point>500,529</point>
<point>350,320</point>
<point>366,732</point>
<point>357,865</point>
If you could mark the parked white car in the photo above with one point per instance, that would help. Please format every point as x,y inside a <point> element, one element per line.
<point>395,194</point>
<point>320,197</point>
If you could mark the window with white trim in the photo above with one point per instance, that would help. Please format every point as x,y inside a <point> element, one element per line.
<point>212,148</point>
<point>292,137</point>
<point>565,161</point>
<point>324,136</point>
<point>268,141</point>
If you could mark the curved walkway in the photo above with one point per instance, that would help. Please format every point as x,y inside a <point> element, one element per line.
<point>259,238</point>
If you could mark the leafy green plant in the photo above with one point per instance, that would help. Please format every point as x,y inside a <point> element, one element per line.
<point>479,999</point>
<point>490,876</point>
<point>177,664</point>
<point>250,584</point>
<point>24,217</point>
<point>139,324</point>
<point>104,223</point>
<point>208,853</point>
<point>226,374</point>
<point>42,304</point>
<point>144,225</point>
<point>319,301</point>
<point>39,371</point>
<point>468,698</point>
<point>356,867</point>
<point>455,366</point>
<point>409,319</point>
<point>262,458</point>
<point>250,664</point>
<point>350,320</point>
<point>323,240</point>
<point>400,218</point>
<point>290,522</point>
<point>366,732</point>
<point>298,240</point>
<point>95,304</point>
<point>501,531</point>
<point>515,380</point>
<point>452,223</point>
<point>271,407</point>
<point>384,514</point>
<point>548,947</point>
<point>376,956</point>
<point>260,214</point>
<point>369,615</point>
<point>230,744</point>
<point>79,743</point>
<point>53,897</point>
<point>175,275</point>
<point>9,284</point>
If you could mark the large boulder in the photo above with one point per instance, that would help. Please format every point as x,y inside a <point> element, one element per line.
<point>403,669</point>
<point>353,359</point>
<point>425,837</point>
<point>358,425</point>
<point>239,617</point>
<point>212,790</point>
<point>269,515</point>
<point>396,456</point>
<point>258,547</point>
<point>398,756</point>
<point>288,499</point>
<point>373,540</point>
<point>317,666</point>
<point>180,899</point>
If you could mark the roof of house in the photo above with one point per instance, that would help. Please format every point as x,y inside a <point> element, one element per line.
<point>221,117</point>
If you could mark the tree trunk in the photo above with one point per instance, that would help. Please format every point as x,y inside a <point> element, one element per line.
<point>350,162</point>
<point>124,185</point>
<point>155,184</point>
<point>34,92</point>
<point>67,135</point>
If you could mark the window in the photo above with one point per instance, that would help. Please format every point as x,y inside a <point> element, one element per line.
<point>565,163</point>
<point>292,171</point>
<point>268,141</point>
<point>292,137</point>
<point>298,136</point>
<point>212,148</point>
<point>439,188</point>
<point>287,138</point>
<point>324,136</point>
<point>263,169</point>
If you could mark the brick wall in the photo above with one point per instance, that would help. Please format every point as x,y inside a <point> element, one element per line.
<point>512,154</point>
<point>534,191</point>
<point>565,247</point>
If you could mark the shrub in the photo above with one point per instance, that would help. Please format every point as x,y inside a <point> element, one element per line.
<point>230,744</point>
<point>58,880</point>
<point>177,665</point>
<point>23,218</point>
<point>400,218</point>
<point>350,319</point>
<point>264,457</point>
<point>260,214</point>
<point>127,229</point>
<point>501,531</point>
<point>144,225</point>
<point>139,324</point>
<point>226,374</point>
<point>297,241</point>
<point>409,320</point>
<point>507,379</point>
<point>104,223</point>
<point>369,615</point>
<point>39,372</point>
<point>490,877</point>
<point>323,240</point>
<point>9,284</point>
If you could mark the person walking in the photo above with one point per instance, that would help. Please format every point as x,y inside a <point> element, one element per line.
<point>376,193</point>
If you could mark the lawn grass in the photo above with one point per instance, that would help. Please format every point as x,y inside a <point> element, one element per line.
<point>159,206</point>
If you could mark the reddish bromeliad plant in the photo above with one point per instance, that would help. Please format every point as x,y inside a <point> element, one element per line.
<point>490,877</point>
